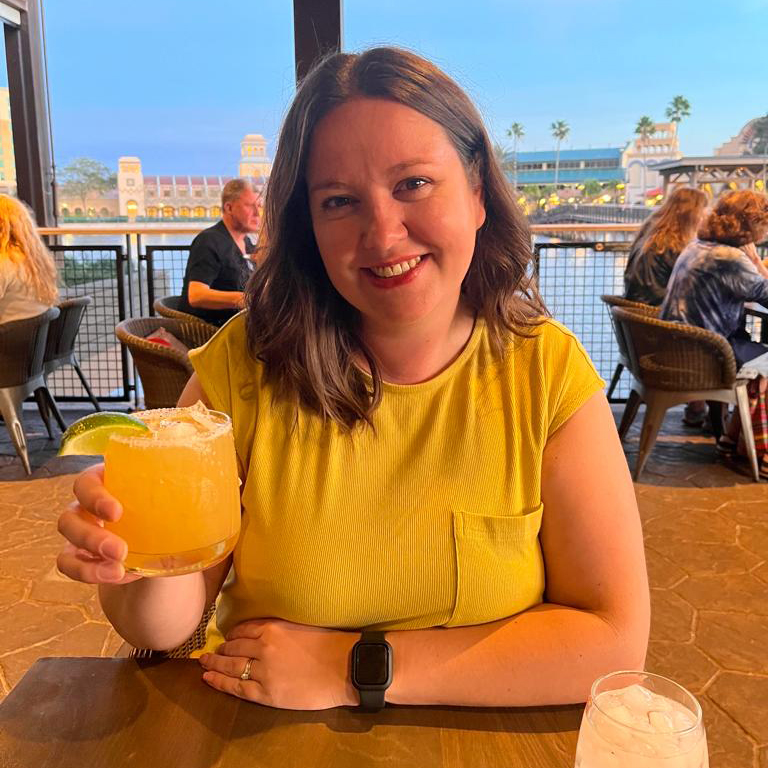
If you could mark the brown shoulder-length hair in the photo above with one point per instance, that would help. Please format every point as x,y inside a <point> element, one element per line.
<point>674,225</point>
<point>302,329</point>
<point>738,218</point>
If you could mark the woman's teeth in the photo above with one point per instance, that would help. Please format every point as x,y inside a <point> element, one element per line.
<point>397,269</point>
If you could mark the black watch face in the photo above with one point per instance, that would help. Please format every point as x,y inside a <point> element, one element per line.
<point>371,664</point>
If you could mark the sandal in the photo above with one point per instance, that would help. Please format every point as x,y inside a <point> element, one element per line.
<point>725,446</point>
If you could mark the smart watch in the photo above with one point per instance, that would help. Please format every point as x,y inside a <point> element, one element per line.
<point>372,670</point>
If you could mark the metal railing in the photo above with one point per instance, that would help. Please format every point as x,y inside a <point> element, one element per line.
<point>595,214</point>
<point>125,279</point>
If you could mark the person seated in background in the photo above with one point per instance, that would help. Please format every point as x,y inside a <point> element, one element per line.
<point>714,277</point>
<point>27,269</point>
<point>721,271</point>
<point>411,429</point>
<point>219,259</point>
<point>659,242</point>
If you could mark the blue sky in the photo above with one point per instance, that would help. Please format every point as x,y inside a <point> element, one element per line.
<point>179,82</point>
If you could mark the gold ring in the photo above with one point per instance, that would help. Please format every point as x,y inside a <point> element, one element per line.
<point>247,671</point>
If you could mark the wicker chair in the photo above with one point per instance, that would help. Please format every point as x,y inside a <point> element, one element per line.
<point>60,347</point>
<point>635,306</point>
<point>672,363</point>
<point>22,346</point>
<point>163,371</point>
<point>168,306</point>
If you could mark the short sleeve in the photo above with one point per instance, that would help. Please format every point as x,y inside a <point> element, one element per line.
<point>570,375</point>
<point>224,366</point>
<point>204,264</point>
<point>231,379</point>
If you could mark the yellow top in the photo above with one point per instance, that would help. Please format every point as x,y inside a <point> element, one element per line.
<point>431,519</point>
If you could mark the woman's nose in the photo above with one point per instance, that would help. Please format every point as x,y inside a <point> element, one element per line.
<point>384,226</point>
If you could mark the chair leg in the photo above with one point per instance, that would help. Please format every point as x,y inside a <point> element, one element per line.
<point>42,406</point>
<point>55,408</point>
<point>630,411</point>
<point>742,400</point>
<point>614,380</point>
<point>84,382</point>
<point>654,415</point>
<point>10,413</point>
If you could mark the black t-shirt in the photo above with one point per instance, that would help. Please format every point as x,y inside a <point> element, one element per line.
<point>216,261</point>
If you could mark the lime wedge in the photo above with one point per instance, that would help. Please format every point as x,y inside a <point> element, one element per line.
<point>89,436</point>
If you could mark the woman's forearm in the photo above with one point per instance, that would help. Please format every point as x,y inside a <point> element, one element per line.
<point>549,654</point>
<point>158,613</point>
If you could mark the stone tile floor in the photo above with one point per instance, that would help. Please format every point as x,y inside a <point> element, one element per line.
<point>706,534</point>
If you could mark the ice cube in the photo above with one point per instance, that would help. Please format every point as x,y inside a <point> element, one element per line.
<point>177,430</point>
<point>620,714</point>
<point>201,416</point>
<point>682,718</point>
<point>637,698</point>
<point>661,722</point>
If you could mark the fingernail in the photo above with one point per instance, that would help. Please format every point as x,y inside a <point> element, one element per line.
<point>204,660</point>
<point>105,509</point>
<point>110,571</point>
<point>112,549</point>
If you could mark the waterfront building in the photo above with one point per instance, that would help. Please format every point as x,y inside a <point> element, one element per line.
<point>575,166</point>
<point>633,165</point>
<point>142,197</point>
<point>641,158</point>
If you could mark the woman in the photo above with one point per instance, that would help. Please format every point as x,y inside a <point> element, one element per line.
<point>411,431</point>
<point>27,270</point>
<point>659,243</point>
<point>720,271</point>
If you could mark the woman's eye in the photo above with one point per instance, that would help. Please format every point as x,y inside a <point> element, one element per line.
<point>412,184</point>
<point>337,201</point>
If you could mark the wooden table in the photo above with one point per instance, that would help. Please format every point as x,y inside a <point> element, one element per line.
<point>115,713</point>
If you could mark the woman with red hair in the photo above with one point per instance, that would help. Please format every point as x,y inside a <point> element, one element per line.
<point>659,243</point>
<point>720,271</point>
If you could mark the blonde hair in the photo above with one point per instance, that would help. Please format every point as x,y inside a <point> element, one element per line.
<point>20,243</point>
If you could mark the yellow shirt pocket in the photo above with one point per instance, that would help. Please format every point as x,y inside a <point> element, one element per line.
<point>499,566</point>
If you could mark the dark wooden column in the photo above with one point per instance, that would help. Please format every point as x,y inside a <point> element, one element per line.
<point>317,30</point>
<point>28,88</point>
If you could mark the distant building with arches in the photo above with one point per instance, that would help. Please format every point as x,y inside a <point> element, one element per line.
<point>147,198</point>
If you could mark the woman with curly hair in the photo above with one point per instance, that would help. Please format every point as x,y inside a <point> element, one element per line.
<point>411,429</point>
<point>659,242</point>
<point>720,271</point>
<point>27,271</point>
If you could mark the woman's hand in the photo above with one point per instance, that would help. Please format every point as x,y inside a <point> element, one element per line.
<point>293,666</point>
<point>92,554</point>
<point>750,249</point>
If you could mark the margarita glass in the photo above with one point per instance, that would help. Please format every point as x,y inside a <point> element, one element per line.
<point>179,489</point>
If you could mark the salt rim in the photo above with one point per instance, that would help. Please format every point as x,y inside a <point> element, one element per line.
<point>222,423</point>
<point>697,712</point>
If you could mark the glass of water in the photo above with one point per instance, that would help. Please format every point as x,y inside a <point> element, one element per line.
<point>641,720</point>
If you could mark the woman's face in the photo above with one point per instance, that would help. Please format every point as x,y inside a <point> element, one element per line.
<point>393,212</point>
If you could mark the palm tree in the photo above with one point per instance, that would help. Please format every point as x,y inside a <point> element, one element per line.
<point>645,128</point>
<point>560,130</point>
<point>678,108</point>
<point>515,132</point>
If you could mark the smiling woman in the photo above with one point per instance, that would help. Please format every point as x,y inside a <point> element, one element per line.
<point>411,430</point>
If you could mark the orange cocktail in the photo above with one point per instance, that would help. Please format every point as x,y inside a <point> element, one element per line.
<point>179,488</point>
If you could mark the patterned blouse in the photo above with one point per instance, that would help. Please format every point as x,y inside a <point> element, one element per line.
<point>709,285</point>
